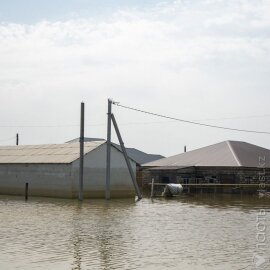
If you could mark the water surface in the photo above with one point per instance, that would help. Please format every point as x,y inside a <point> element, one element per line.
<point>186,233</point>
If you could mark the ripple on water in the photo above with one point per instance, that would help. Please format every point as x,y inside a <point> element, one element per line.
<point>187,233</point>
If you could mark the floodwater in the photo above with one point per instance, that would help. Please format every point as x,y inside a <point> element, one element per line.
<point>199,232</point>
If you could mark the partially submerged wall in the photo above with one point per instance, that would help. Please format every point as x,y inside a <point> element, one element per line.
<point>211,175</point>
<point>52,180</point>
<point>62,180</point>
<point>95,174</point>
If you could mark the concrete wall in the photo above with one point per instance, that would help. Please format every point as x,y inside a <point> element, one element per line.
<point>95,174</point>
<point>52,180</point>
<point>62,180</point>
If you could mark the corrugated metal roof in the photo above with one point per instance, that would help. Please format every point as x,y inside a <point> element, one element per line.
<point>47,153</point>
<point>228,153</point>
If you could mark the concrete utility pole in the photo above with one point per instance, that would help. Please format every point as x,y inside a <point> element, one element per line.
<point>81,153</point>
<point>138,192</point>
<point>17,139</point>
<point>108,161</point>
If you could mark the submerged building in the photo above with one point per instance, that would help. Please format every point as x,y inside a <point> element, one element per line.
<point>228,162</point>
<point>136,155</point>
<point>53,170</point>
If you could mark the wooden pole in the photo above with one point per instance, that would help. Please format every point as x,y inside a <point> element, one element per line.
<point>17,139</point>
<point>152,188</point>
<point>81,153</point>
<point>26,192</point>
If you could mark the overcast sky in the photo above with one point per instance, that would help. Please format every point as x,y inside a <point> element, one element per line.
<point>204,60</point>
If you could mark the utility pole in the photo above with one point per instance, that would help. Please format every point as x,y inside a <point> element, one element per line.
<point>133,178</point>
<point>17,139</point>
<point>81,153</point>
<point>108,160</point>
<point>185,149</point>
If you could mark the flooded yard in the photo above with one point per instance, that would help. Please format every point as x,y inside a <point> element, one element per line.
<point>202,232</point>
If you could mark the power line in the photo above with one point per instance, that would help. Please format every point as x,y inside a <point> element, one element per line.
<point>8,139</point>
<point>235,117</point>
<point>133,123</point>
<point>47,126</point>
<point>190,122</point>
<point>38,126</point>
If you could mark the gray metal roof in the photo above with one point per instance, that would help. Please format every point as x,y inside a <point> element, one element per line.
<point>47,153</point>
<point>136,155</point>
<point>228,153</point>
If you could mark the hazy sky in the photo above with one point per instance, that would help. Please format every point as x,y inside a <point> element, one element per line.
<point>205,60</point>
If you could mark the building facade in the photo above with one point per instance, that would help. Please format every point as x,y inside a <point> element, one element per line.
<point>53,170</point>
<point>136,155</point>
<point>222,167</point>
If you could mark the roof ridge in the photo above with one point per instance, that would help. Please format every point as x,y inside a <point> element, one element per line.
<point>233,153</point>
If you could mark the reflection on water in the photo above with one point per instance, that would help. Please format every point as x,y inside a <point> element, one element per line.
<point>199,232</point>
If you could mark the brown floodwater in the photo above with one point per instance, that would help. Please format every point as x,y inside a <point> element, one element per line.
<point>202,232</point>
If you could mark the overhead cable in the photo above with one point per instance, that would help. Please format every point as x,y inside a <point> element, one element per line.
<point>190,122</point>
